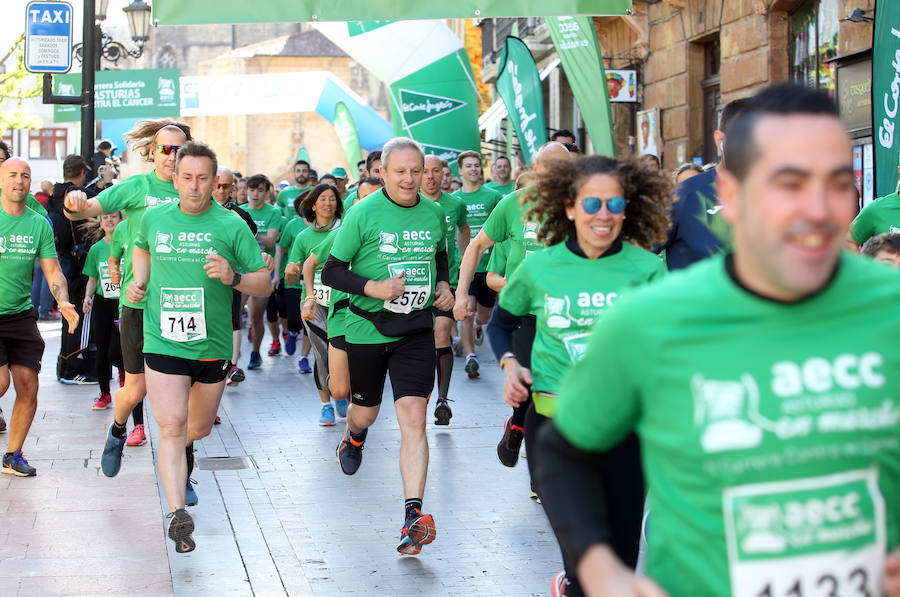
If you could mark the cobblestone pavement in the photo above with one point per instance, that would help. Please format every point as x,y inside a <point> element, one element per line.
<point>276,515</point>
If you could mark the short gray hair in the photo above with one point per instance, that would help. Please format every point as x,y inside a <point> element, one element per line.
<point>400,143</point>
<point>197,149</point>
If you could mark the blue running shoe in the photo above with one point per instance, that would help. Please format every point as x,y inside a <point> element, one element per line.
<point>15,464</point>
<point>111,460</point>
<point>290,343</point>
<point>255,361</point>
<point>419,530</point>
<point>190,496</point>
<point>341,407</point>
<point>472,366</point>
<point>326,419</point>
<point>304,365</point>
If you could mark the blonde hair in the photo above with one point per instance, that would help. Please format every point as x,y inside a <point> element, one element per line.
<point>142,136</point>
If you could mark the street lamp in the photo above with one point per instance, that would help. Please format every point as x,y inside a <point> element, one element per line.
<point>101,9</point>
<point>138,13</point>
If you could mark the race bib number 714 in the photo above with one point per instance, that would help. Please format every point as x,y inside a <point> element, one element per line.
<point>822,536</point>
<point>182,314</point>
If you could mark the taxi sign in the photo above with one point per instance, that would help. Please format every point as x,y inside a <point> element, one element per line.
<point>48,37</point>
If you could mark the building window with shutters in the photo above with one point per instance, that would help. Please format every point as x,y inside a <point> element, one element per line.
<point>48,143</point>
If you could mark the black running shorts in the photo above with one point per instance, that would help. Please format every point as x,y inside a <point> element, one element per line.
<point>483,294</point>
<point>410,361</point>
<point>339,342</point>
<point>235,310</point>
<point>206,371</point>
<point>440,312</point>
<point>131,332</point>
<point>20,340</point>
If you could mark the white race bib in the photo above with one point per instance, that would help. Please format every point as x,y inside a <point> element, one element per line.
<point>813,537</point>
<point>107,288</point>
<point>321,293</point>
<point>417,288</point>
<point>182,314</point>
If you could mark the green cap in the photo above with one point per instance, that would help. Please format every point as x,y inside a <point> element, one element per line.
<point>339,172</point>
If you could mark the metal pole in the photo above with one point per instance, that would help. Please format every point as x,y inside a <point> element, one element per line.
<point>88,64</point>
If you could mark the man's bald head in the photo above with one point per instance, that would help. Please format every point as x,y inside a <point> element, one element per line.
<point>548,153</point>
<point>432,161</point>
<point>15,179</point>
<point>224,182</point>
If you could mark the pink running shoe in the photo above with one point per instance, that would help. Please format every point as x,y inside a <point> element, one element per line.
<point>101,402</point>
<point>137,437</point>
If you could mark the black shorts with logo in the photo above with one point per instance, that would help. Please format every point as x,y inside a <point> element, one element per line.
<point>205,371</point>
<point>410,361</point>
<point>483,294</point>
<point>131,332</point>
<point>20,341</point>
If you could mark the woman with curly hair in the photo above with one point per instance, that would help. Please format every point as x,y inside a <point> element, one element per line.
<point>600,216</point>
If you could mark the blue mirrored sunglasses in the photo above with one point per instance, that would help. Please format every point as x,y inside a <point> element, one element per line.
<point>592,205</point>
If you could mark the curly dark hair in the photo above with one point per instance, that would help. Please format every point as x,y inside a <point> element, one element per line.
<point>649,195</point>
<point>305,207</point>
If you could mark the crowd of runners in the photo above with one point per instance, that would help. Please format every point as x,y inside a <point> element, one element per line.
<point>733,424</point>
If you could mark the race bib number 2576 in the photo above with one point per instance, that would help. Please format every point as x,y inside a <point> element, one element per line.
<point>417,286</point>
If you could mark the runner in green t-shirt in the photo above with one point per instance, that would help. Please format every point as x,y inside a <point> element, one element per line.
<point>285,198</point>
<point>390,256</point>
<point>456,227</point>
<point>373,170</point>
<point>268,222</point>
<point>101,303</point>
<point>501,176</point>
<point>879,216</point>
<point>25,236</point>
<point>157,141</point>
<point>322,207</point>
<point>496,270</point>
<point>761,384</point>
<point>187,258</point>
<point>480,201</point>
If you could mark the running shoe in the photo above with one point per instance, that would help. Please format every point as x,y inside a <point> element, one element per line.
<point>255,361</point>
<point>418,530</point>
<point>111,459</point>
<point>558,585</point>
<point>303,363</point>
<point>508,448</point>
<point>137,437</point>
<point>472,367</point>
<point>190,496</point>
<point>235,376</point>
<point>121,377</point>
<point>326,418</point>
<point>442,412</point>
<point>217,420</point>
<point>479,335</point>
<point>349,452</point>
<point>341,406</point>
<point>275,348</point>
<point>78,380</point>
<point>102,401</point>
<point>181,525</point>
<point>15,464</point>
<point>290,343</point>
<point>2,422</point>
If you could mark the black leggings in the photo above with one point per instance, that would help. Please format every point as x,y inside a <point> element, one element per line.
<point>292,305</point>
<point>106,335</point>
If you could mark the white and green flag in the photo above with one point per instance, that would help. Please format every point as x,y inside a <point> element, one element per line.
<point>886,96</point>
<point>348,137</point>
<point>519,86</point>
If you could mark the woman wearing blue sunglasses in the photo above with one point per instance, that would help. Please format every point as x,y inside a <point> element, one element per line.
<point>600,215</point>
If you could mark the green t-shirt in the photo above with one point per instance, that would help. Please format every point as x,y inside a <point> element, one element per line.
<point>770,432</point>
<point>503,189</point>
<point>507,222</point>
<point>132,197</point>
<point>335,313</point>
<point>96,265</point>
<point>34,204</point>
<point>568,293</point>
<point>380,239</point>
<point>119,243</point>
<point>23,239</point>
<point>286,240</point>
<point>455,216</point>
<point>499,258</point>
<point>266,217</point>
<point>879,216</point>
<point>479,206</point>
<point>350,198</point>
<point>303,246</point>
<point>285,200</point>
<point>188,314</point>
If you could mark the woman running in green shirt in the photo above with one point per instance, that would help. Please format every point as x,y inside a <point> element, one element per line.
<point>598,213</point>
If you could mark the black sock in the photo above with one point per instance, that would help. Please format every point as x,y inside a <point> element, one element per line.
<point>518,416</point>
<point>360,436</point>
<point>138,413</point>
<point>411,506</point>
<point>444,366</point>
<point>118,430</point>
<point>189,454</point>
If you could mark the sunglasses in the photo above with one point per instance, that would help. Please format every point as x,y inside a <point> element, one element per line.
<point>591,205</point>
<point>224,185</point>
<point>167,149</point>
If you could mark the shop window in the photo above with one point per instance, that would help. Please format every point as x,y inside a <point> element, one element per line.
<point>47,143</point>
<point>813,41</point>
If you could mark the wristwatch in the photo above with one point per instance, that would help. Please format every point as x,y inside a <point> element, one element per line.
<point>236,280</point>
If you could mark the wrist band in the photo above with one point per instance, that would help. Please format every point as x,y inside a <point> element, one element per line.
<point>506,356</point>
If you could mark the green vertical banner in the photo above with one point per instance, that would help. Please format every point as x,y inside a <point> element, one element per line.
<point>582,61</point>
<point>348,137</point>
<point>886,95</point>
<point>519,86</point>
